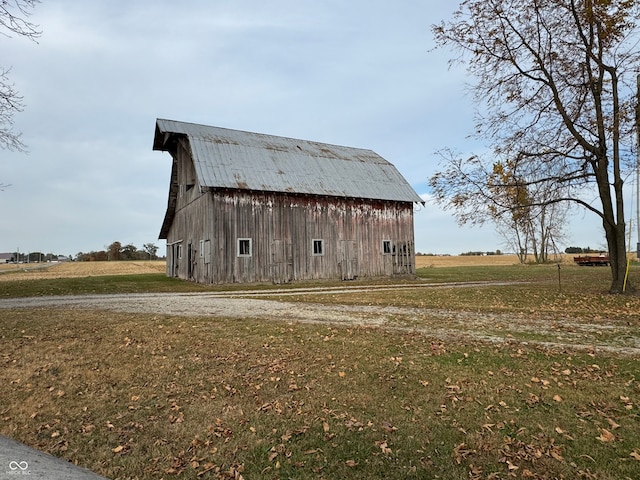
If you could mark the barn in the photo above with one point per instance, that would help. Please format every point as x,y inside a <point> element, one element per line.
<point>246,207</point>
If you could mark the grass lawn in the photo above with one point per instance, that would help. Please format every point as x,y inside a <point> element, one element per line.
<point>153,396</point>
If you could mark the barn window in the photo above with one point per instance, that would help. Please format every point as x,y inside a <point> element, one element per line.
<point>386,247</point>
<point>244,247</point>
<point>318,247</point>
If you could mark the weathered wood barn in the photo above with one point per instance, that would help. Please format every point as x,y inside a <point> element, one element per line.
<point>247,207</point>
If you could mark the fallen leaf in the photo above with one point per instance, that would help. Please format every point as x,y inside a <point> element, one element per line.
<point>351,463</point>
<point>461,452</point>
<point>606,435</point>
<point>475,471</point>
<point>635,455</point>
<point>388,427</point>
<point>557,456</point>
<point>557,398</point>
<point>207,468</point>
<point>384,447</point>
<point>118,449</point>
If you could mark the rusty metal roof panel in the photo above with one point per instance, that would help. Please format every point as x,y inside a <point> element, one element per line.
<point>235,159</point>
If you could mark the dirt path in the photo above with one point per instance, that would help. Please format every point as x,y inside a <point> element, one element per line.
<point>572,333</point>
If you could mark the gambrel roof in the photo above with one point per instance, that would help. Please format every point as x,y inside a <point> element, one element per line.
<point>233,159</point>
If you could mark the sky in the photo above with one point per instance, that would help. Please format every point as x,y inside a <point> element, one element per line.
<point>360,73</point>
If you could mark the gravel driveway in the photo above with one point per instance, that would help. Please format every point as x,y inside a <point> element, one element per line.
<point>442,324</point>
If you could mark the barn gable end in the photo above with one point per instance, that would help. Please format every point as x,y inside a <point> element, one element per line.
<point>246,207</point>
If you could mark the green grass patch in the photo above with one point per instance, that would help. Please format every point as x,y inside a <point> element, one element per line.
<point>137,283</point>
<point>151,396</point>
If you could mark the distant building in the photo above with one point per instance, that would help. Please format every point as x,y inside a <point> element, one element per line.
<point>6,257</point>
<point>247,207</point>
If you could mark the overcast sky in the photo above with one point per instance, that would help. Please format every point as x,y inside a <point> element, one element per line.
<point>357,73</point>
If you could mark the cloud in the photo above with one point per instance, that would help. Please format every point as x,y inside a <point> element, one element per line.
<point>361,74</point>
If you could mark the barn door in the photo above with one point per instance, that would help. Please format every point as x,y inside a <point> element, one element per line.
<point>403,258</point>
<point>190,261</point>
<point>281,262</point>
<point>348,259</point>
<point>175,259</point>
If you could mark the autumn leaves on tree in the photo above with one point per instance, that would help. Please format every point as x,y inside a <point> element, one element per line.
<point>555,85</point>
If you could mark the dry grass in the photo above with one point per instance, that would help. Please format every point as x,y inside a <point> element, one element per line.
<point>78,269</point>
<point>93,269</point>
<point>428,261</point>
<point>431,261</point>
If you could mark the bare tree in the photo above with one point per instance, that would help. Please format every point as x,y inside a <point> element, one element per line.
<point>151,249</point>
<point>523,211</point>
<point>555,79</point>
<point>14,20</point>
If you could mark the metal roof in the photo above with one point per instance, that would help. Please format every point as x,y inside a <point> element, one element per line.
<point>235,159</point>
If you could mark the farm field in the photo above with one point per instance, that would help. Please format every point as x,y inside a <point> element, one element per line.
<point>32,271</point>
<point>86,269</point>
<point>507,377</point>
<point>426,261</point>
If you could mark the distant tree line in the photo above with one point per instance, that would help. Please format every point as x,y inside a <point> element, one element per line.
<point>116,252</point>
<point>36,257</point>
<point>479,254</point>
<point>581,250</point>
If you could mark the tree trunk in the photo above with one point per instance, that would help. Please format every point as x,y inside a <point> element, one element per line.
<point>615,235</point>
<point>614,225</point>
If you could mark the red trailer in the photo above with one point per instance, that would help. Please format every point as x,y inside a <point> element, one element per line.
<point>592,260</point>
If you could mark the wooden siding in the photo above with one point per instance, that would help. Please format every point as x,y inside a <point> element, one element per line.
<point>281,229</point>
